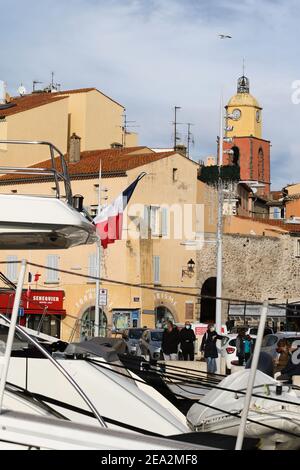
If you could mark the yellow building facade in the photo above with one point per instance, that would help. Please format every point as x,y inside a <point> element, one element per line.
<point>146,274</point>
<point>97,119</point>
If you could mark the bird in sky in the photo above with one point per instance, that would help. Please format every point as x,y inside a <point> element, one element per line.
<point>225,36</point>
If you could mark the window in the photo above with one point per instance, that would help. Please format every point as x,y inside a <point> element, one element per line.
<point>92,266</point>
<point>261,169</point>
<point>277,213</point>
<point>52,263</point>
<point>269,340</point>
<point>156,269</point>
<point>154,220</point>
<point>156,336</point>
<point>175,175</point>
<point>189,311</point>
<point>12,269</point>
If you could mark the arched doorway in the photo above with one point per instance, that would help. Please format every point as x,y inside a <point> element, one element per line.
<point>208,306</point>
<point>162,315</point>
<point>87,324</point>
<point>236,155</point>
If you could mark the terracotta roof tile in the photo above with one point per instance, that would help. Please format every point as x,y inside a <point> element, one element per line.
<point>113,161</point>
<point>27,102</point>
<point>34,100</point>
<point>278,223</point>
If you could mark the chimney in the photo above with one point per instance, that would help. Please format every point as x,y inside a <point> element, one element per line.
<point>2,92</point>
<point>116,145</point>
<point>181,149</point>
<point>74,151</point>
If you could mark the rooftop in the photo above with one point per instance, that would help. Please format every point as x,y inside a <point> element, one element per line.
<point>113,161</point>
<point>292,228</point>
<point>34,100</point>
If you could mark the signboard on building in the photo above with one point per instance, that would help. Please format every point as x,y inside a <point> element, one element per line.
<point>103,297</point>
<point>34,302</point>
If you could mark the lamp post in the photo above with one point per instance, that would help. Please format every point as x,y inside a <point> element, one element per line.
<point>98,327</point>
<point>223,124</point>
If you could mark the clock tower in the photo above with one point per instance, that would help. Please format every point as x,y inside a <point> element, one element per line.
<point>250,151</point>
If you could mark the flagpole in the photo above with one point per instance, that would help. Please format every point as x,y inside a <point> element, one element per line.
<point>98,317</point>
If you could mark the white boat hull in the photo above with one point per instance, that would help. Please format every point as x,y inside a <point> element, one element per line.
<point>36,222</point>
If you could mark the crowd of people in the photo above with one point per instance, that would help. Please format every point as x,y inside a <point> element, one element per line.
<point>173,340</point>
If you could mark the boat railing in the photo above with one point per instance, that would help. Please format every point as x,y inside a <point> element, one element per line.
<point>60,175</point>
<point>13,328</point>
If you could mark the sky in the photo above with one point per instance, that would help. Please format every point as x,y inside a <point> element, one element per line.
<point>151,55</point>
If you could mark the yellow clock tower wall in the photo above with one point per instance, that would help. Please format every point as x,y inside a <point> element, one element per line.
<point>247,112</point>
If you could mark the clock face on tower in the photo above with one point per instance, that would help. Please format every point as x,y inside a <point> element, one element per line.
<point>257,116</point>
<point>236,114</point>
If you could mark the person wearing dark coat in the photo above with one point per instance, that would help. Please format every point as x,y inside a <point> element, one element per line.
<point>209,348</point>
<point>170,342</point>
<point>240,347</point>
<point>187,339</point>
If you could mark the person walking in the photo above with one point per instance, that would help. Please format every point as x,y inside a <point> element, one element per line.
<point>209,348</point>
<point>187,340</point>
<point>248,347</point>
<point>240,347</point>
<point>170,342</point>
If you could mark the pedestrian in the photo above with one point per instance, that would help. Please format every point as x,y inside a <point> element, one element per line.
<point>248,347</point>
<point>283,357</point>
<point>240,347</point>
<point>209,348</point>
<point>187,340</point>
<point>170,342</point>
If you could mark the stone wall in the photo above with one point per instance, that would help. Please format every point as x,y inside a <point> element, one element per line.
<point>254,267</point>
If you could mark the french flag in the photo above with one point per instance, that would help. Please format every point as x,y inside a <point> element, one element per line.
<point>109,221</point>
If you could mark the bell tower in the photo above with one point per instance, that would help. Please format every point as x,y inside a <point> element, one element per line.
<point>249,150</point>
<point>246,110</point>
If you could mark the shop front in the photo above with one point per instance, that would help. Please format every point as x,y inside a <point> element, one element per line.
<point>39,309</point>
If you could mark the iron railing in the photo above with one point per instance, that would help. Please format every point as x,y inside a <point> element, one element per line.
<point>59,175</point>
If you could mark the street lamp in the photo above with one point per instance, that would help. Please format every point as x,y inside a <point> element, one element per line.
<point>223,119</point>
<point>189,270</point>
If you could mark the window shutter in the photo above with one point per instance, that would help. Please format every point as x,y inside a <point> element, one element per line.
<point>164,222</point>
<point>92,266</point>
<point>52,263</point>
<point>154,220</point>
<point>12,269</point>
<point>189,311</point>
<point>156,269</point>
<point>144,228</point>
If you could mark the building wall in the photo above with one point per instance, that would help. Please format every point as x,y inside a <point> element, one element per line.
<point>247,124</point>
<point>249,160</point>
<point>96,118</point>
<point>292,208</point>
<point>255,268</point>
<point>104,121</point>
<point>45,123</point>
<point>131,260</point>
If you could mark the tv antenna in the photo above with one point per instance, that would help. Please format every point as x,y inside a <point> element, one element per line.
<point>175,123</point>
<point>126,125</point>
<point>190,138</point>
<point>34,83</point>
